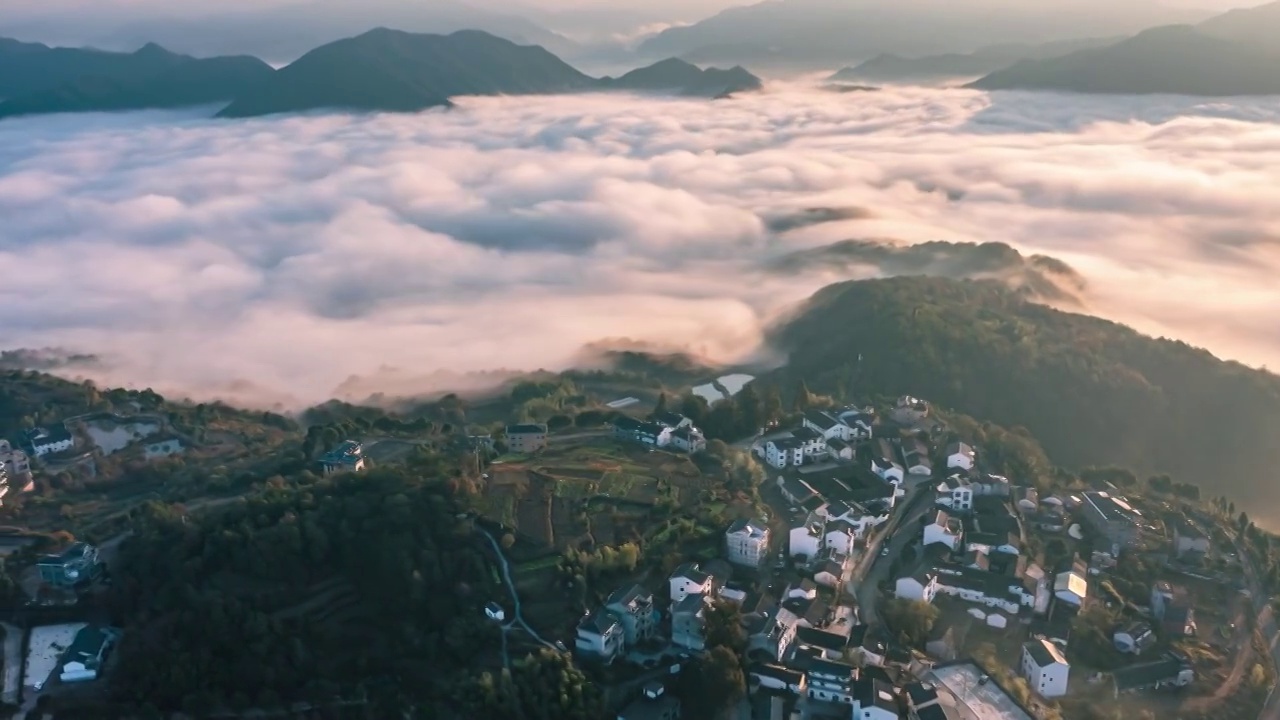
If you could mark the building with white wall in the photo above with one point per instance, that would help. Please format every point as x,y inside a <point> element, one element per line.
<point>1045,668</point>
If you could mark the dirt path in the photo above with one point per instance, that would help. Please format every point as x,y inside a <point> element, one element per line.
<point>1243,661</point>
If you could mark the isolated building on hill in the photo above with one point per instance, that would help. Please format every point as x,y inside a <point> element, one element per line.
<point>347,457</point>
<point>77,564</point>
<point>53,439</point>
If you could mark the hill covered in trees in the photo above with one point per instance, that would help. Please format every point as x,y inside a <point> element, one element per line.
<point>360,593</point>
<point>1094,393</point>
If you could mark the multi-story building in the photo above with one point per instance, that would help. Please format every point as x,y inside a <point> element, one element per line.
<point>600,635</point>
<point>54,439</point>
<point>783,452</point>
<point>747,542</point>
<point>526,438</point>
<point>1045,668</point>
<point>688,622</point>
<point>689,579</point>
<point>634,607</point>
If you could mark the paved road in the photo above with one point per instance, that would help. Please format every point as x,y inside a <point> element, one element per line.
<point>517,620</point>
<point>900,529</point>
<point>12,663</point>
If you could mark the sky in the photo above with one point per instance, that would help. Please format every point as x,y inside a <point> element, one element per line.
<point>294,259</point>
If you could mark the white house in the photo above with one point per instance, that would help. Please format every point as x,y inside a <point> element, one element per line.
<point>827,425</point>
<point>805,589</point>
<point>600,635</point>
<point>831,681</point>
<point>956,492</point>
<point>1045,668</point>
<point>961,455</point>
<point>921,586</point>
<point>839,535</point>
<point>858,421</point>
<point>634,607</point>
<point>1071,587</point>
<point>688,439</point>
<point>807,539</point>
<point>944,530</point>
<point>874,699</point>
<point>156,448</point>
<point>51,440</point>
<point>689,579</point>
<point>812,443</point>
<point>915,458</point>
<point>888,469</point>
<point>747,542</point>
<point>494,611</point>
<point>831,568</point>
<point>1187,539</point>
<point>784,452</point>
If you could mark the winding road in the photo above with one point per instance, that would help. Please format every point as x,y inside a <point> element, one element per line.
<point>517,620</point>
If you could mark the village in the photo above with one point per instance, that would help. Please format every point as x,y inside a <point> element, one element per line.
<point>873,564</point>
<point>890,575</point>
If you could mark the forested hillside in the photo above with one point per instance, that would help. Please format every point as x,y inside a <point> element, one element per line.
<point>362,592</point>
<point>1091,391</point>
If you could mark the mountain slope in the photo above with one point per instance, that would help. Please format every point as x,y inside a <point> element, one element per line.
<point>1174,59</point>
<point>391,70</point>
<point>820,33</point>
<point>677,75</point>
<point>1257,27</point>
<point>1091,391</point>
<point>193,82</point>
<point>33,67</point>
<point>890,68</point>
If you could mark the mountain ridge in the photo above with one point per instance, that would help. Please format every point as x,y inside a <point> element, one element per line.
<point>379,70</point>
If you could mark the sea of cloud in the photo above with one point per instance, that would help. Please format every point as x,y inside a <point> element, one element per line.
<point>280,258</point>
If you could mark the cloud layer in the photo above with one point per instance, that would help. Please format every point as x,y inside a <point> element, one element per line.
<point>283,256</point>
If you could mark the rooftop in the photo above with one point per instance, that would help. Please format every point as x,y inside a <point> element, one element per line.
<point>669,419</point>
<point>821,419</point>
<point>969,693</point>
<point>814,637</point>
<point>73,553</point>
<point>631,596</point>
<point>348,451</point>
<point>1112,508</point>
<point>1043,652</point>
<point>1148,673</point>
<point>598,622</point>
<point>805,433</point>
<point>527,429</point>
<point>754,528</point>
<point>691,571</point>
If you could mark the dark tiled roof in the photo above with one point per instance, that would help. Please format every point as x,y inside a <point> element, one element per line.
<point>1043,652</point>
<point>777,672</point>
<point>921,695</point>
<point>821,638</point>
<point>1149,673</point>
<point>821,419</point>
<point>669,419</point>
<point>526,429</point>
<point>692,572</point>
<point>805,433</point>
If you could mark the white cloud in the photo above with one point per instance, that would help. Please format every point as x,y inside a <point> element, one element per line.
<point>293,253</point>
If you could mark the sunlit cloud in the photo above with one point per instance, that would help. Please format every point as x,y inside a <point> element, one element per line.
<point>286,255</point>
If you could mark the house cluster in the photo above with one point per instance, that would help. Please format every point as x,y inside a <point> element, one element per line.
<point>977,557</point>
<point>822,435</point>
<point>667,430</point>
<point>845,500</point>
<point>49,440</point>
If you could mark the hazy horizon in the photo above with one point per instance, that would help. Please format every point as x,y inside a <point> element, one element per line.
<point>278,258</point>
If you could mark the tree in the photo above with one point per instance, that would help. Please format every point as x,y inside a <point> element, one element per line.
<point>803,399</point>
<point>660,406</point>
<point>771,405</point>
<point>750,410</point>
<point>559,422</point>
<point>711,686</point>
<point>723,627</point>
<point>910,619</point>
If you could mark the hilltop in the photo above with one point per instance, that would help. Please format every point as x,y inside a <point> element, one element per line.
<point>888,67</point>
<point>1094,393</point>
<point>1232,54</point>
<point>398,71</point>
<point>40,79</point>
